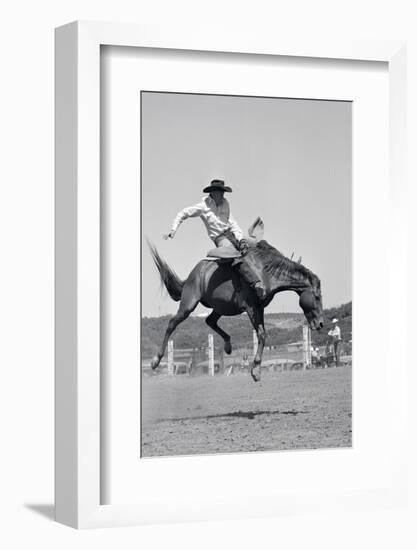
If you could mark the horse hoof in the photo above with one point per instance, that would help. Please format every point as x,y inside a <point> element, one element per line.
<point>256,376</point>
<point>155,362</point>
<point>228,348</point>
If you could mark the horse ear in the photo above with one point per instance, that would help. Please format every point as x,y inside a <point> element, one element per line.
<point>256,230</point>
<point>299,259</point>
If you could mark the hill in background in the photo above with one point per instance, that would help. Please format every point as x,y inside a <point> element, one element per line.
<point>282,328</point>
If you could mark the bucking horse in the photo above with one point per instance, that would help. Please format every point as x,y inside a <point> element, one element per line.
<point>217,286</point>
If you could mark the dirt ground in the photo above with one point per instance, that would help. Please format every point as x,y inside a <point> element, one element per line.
<point>203,415</point>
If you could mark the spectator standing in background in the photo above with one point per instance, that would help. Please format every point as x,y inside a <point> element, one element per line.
<point>336,337</point>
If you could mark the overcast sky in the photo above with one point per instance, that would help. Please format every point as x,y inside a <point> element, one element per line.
<point>287,161</point>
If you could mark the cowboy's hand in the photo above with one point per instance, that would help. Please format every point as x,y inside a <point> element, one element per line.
<point>243,246</point>
<point>170,235</point>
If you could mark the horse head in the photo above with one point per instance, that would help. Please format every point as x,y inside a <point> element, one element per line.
<point>311,303</point>
<point>310,293</point>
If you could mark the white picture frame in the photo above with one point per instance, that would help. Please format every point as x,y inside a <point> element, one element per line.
<point>77,241</point>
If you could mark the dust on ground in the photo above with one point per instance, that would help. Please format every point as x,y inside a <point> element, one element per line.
<point>225,414</point>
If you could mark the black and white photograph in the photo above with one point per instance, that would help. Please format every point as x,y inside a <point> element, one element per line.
<point>208,264</point>
<point>246,274</point>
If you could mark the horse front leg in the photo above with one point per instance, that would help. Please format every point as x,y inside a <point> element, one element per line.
<point>257,360</point>
<point>256,315</point>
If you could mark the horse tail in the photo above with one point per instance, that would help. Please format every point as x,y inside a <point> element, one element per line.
<point>169,278</point>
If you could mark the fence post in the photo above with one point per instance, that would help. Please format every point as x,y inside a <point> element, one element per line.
<point>211,354</point>
<point>221,361</point>
<point>255,342</point>
<point>170,357</point>
<point>306,346</point>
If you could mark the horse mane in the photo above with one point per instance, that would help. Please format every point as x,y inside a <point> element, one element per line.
<point>276,264</point>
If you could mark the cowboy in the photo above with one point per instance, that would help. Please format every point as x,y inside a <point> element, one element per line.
<point>336,336</point>
<point>223,230</point>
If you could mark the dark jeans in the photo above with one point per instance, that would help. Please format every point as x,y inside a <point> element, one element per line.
<point>244,270</point>
<point>336,351</point>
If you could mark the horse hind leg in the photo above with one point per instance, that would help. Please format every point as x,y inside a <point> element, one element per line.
<point>189,301</point>
<point>211,320</point>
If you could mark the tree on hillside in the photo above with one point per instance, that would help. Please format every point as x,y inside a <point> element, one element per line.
<point>193,332</point>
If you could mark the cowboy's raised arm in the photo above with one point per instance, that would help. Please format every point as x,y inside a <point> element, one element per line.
<point>185,213</point>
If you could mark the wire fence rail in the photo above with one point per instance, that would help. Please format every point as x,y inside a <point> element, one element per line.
<point>209,359</point>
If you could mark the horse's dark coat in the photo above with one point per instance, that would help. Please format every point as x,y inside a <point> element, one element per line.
<point>219,287</point>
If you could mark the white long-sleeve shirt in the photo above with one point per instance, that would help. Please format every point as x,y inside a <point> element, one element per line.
<point>217,219</point>
<point>335,333</point>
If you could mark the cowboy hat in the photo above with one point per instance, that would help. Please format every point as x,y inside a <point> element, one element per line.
<point>217,185</point>
<point>335,320</point>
